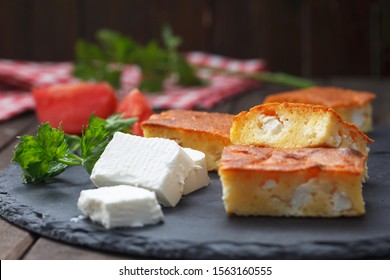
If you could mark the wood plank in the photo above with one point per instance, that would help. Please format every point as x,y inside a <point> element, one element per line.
<point>15,29</point>
<point>128,17</point>
<point>383,40</point>
<point>143,19</point>
<point>14,241</point>
<point>14,127</point>
<point>299,37</point>
<point>46,249</point>
<point>54,29</point>
<point>259,29</point>
<point>340,37</point>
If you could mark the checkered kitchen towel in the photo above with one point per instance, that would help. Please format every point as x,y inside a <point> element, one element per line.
<point>18,77</point>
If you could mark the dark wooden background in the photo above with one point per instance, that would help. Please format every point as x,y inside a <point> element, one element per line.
<point>304,37</point>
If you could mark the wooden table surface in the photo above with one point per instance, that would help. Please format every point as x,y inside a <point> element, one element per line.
<point>16,243</point>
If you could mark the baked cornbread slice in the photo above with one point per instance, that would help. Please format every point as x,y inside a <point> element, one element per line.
<point>295,125</point>
<point>353,106</point>
<point>317,182</point>
<point>203,131</point>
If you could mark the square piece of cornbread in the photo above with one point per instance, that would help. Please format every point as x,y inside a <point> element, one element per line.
<point>353,106</point>
<point>295,125</point>
<point>316,182</point>
<point>202,131</point>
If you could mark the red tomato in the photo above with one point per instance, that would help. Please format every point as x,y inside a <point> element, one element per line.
<point>73,104</point>
<point>135,105</point>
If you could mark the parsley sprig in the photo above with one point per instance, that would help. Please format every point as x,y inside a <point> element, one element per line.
<point>105,60</point>
<point>51,151</point>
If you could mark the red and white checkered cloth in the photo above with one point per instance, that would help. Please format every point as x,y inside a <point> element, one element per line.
<point>18,77</point>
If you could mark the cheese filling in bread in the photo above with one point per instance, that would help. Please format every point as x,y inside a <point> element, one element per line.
<point>295,125</point>
<point>361,116</point>
<point>353,106</point>
<point>202,131</point>
<point>322,182</point>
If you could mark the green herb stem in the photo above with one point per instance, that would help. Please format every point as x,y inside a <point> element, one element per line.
<point>284,79</point>
<point>72,160</point>
<point>276,78</point>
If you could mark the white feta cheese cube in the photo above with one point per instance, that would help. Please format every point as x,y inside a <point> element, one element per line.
<point>156,164</point>
<point>198,177</point>
<point>120,206</point>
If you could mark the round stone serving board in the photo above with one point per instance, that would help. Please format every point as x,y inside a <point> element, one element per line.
<point>198,227</point>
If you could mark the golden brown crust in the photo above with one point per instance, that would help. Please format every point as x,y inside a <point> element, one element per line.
<point>341,160</point>
<point>269,109</point>
<point>206,132</point>
<point>202,122</point>
<point>327,96</point>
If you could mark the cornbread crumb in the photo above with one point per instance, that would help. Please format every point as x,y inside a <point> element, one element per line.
<point>322,182</point>
<point>203,131</point>
<point>295,125</point>
<point>353,106</point>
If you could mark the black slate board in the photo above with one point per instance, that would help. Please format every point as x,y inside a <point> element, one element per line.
<point>198,227</point>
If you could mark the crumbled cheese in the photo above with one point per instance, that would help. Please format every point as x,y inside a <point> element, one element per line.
<point>269,184</point>
<point>270,125</point>
<point>341,202</point>
<point>303,195</point>
<point>335,141</point>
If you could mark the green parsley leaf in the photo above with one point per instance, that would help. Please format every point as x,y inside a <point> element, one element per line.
<point>73,142</point>
<point>51,151</point>
<point>93,142</point>
<point>187,74</point>
<point>92,137</point>
<point>171,41</point>
<point>115,46</point>
<point>116,123</point>
<point>43,156</point>
<point>93,65</point>
<point>98,134</point>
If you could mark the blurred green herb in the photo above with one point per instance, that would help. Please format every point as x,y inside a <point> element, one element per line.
<point>105,60</point>
<point>268,77</point>
<point>51,151</point>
